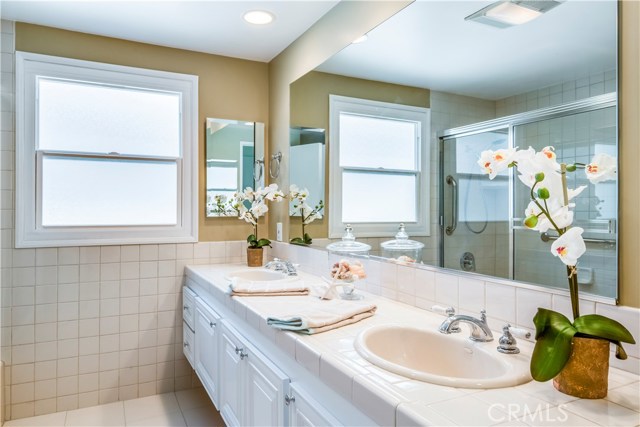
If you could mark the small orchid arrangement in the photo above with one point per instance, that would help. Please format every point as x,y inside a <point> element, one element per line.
<point>249,205</point>
<point>307,213</point>
<point>550,208</point>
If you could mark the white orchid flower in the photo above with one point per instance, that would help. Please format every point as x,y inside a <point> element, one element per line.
<point>561,215</point>
<point>494,162</point>
<point>603,167</point>
<point>570,246</point>
<point>531,164</point>
<point>248,217</point>
<point>259,209</point>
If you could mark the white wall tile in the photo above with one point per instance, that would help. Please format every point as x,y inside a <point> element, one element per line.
<point>527,304</point>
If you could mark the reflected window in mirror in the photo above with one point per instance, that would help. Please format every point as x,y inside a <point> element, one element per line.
<point>230,160</point>
<point>379,175</point>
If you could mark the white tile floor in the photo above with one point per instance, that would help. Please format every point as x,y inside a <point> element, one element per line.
<point>187,408</point>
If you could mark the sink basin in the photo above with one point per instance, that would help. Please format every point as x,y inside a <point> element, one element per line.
<point>261,275</point>
<point>450,360</point>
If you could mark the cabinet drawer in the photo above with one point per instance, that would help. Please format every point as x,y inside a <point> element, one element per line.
<point>188,343</point>
<point>189,307</point>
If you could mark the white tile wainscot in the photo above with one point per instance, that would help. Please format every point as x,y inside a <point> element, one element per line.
<point>389,399</point>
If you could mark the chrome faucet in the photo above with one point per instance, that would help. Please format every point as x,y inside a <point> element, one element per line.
<point>480,330</point>
<point>281,265</point>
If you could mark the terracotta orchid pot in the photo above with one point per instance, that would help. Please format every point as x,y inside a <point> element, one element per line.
<point>254,257</point>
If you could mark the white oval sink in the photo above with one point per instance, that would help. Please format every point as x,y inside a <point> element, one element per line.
<point>450,360</point>
<point>260,275</point>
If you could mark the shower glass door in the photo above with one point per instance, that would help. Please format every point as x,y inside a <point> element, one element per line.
<point>475,209</point>
<point>576,138</point>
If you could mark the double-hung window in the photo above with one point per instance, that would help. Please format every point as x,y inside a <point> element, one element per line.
<point>105,154</point>
<point>379,167</point>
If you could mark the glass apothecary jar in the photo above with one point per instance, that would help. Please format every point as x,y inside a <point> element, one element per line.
<point>402,248</point>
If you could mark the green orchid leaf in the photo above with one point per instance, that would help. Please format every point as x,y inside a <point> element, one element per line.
<point>296,240</point>
<point>602,327</point>
<point>252,238</point>
<point>307,239</point>
<point>620,353</point>
<point>263,242</point>
<point>553,344</point>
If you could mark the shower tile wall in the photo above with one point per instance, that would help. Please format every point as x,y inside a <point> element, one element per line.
<point>572,90</point>
<point>89,325</point>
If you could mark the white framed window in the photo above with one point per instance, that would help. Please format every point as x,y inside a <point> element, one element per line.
<point>106,154</point>
<point>379,174</point>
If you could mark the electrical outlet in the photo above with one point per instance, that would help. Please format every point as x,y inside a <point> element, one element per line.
<point>279,232</point>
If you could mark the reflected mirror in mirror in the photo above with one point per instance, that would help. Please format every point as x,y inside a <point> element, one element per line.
<point>234,159</point>
<point>548,82</point>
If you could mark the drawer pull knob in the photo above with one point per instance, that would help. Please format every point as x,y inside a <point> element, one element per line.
<point>212,324</point>
<point>239,350</point>
<point>243,355</point>
<point>289,399</point>
<point>186,345</point>
<point>186,308</point>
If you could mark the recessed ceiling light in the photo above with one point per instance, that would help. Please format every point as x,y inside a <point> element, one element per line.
<point>360,39</point>
<point>258,17</point>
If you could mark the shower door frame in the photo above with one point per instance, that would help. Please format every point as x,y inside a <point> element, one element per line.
<point>509,122</point>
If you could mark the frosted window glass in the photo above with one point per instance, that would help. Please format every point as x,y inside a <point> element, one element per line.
<point>98,192</point>
<point>374,142</point>
<point>76,116</point>
<point>222,177</point>
<point>378,197</point>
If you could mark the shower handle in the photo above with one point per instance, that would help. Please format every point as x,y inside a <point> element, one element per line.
<point>454,208</point>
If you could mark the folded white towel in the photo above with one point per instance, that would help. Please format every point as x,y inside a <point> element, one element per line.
<point>239,287</point>
<point>312,316</point>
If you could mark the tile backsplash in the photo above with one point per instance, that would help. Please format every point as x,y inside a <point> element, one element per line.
<point>505,301</point>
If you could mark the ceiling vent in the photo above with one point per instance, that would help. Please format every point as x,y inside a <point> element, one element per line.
<point>504,14</point>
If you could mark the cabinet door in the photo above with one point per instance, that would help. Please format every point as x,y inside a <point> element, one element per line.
<point>206,351</point>
<point>266,388</point>
<point>231,379</point>
<point>304,411</point>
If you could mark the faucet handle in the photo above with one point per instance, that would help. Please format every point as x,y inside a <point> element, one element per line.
<point>519,332</point>
<point>507,343</point>
<point>449,312</point>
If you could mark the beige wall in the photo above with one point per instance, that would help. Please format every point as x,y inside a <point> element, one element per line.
<point>309,98</point>
<point>629,146</point>
<point>228,88</point>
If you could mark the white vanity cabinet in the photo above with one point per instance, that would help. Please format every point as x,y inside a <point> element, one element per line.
<point>304,411</point>
<point>207,325</point>
<point>252,388</point>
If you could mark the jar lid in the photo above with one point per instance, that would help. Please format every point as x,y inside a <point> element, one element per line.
<point>401,242</point>
<point>348,243</point>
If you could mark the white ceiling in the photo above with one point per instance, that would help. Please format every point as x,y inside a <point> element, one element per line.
<point>211,26</point>
<point>429,45</point>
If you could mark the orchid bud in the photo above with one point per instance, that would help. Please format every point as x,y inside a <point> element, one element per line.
<point>543,193</point>
<point>531,221</point>
<point>571,168</point>
<point>539,176</point>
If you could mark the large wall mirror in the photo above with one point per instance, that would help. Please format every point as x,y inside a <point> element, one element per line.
<point>235,159</point>
<point>551,81</point>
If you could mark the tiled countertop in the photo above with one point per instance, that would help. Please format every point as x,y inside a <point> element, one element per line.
<point>390,399</point>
